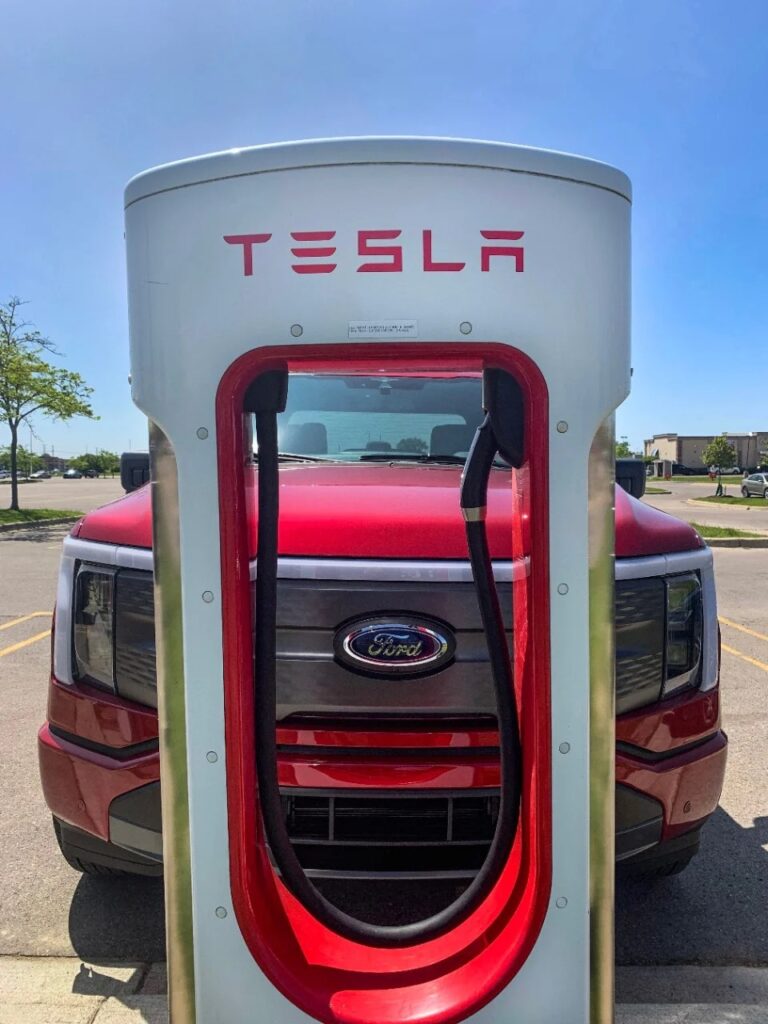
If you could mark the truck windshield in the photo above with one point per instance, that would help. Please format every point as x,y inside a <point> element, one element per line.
<point>359,418</point>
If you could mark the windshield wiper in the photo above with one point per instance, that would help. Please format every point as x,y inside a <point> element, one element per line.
<point>453,460</point>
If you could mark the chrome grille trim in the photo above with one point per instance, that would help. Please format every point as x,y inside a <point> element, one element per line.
<point>383,570</point>
<point>380,570</point>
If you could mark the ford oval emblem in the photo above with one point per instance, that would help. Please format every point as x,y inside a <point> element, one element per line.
<point>399,645</point>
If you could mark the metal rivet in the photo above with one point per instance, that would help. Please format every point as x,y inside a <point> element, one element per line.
<point>202,433</point>
<point>212,756</point>
<point>687,806</point>
<point>208,596</point>
<point>297,330</point>
<point>562,426</point>
<point>221,912</point>
<point>561,902</point>
<point>465,327</point>
<point>564,748</point>
<point>562,588</point>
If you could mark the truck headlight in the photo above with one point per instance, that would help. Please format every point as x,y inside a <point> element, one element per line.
<point>659,626</point>
<point>684,633</point>
<point>114,631</point>
<point>94,626</point>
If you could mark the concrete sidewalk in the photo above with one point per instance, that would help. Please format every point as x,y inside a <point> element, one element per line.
<point>64,990</point>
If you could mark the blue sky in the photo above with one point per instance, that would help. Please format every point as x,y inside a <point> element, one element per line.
<point>675,94</point>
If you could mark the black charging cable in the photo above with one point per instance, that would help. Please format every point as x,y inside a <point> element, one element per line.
<point>265,398</point>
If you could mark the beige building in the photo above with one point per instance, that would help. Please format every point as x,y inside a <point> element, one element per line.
<point>686,449</point>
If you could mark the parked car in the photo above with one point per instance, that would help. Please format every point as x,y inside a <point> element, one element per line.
<point>92,474</point>
<point>41,474</point>
<point>73,474</point>
<point>98,748</point>
<point>726,470</point>
<point>755,486</point>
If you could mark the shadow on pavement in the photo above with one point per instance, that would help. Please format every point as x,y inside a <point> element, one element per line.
<point>712,913</point>
<point>118,919</point>
<point>90,982</point>
<point>37,534</point>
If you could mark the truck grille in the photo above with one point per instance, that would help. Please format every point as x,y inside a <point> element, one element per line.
<point>310,680</point>
<point>406,835</point>
<point>640,632</point>
<point>384,835</point>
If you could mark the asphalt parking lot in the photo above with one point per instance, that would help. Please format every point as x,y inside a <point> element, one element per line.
<point>682,501</point>
<point>714,913</point>
<point>78,495</point>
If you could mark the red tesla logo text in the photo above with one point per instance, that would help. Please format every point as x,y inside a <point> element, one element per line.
<point>314,258</point>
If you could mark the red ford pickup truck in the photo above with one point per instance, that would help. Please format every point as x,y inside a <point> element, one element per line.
<point>383,777</point>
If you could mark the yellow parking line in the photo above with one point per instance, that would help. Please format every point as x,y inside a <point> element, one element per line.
<point>743,629</point>
<point>730,650</point>
<point>24,618</point>
<point>26,643</point>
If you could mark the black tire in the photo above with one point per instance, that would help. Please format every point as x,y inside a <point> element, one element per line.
<point>744,492</point>
<point>663,869</point>
<point>765,493</point>
<point>93,856</point>
<point>669,858</point>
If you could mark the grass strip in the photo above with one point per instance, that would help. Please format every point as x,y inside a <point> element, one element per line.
<point>35,515</point>
<point>721,531</point>
<point>728,499</point>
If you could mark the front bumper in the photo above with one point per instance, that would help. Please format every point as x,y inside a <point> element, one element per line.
<point>665,788</point>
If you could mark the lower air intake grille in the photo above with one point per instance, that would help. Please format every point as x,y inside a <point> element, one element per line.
<point>349,835</point>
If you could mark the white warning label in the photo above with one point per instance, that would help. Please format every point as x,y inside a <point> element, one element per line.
<point>383,329</point>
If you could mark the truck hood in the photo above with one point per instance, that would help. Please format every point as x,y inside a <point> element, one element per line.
<point>376,510</point>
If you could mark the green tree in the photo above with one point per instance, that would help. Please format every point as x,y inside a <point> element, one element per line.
<point>109,463</point>
<point>411,444</point>
<point>623,451</point>
<point>721,454</point>
<point>28,462</point>
<point>30,385</point>
<point>88,462</point>
<point>100,462</point>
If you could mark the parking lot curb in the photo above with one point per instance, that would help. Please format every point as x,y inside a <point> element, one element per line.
<point>65,990</point>
<point>702,502</point>
<point>737,542</point>
<point>36,523</point>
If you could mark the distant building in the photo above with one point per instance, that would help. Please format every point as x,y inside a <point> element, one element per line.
<point>53,463</point>
<point>686,449</point>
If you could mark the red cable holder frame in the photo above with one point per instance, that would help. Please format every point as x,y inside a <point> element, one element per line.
<point>327,976</point>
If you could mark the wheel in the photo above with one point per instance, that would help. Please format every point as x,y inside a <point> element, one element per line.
<point>765,493</point>
<point>93,856</point>
<point>744,492</point>
<point>669,858</point>
<point>660,869</point>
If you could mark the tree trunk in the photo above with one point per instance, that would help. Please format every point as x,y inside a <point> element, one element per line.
<point>14,506</point>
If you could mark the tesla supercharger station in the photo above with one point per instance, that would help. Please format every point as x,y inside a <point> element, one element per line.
<point>375,256</point>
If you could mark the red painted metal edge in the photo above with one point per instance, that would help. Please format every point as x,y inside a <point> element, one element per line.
<point>79,784</point>
<point>99,716</point>
<point>676,722</point>
<point>329,977</point>
<point>687,786</point>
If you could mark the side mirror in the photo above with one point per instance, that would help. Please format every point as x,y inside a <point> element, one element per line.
<point>630,474</point>
<point>134,470</point>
